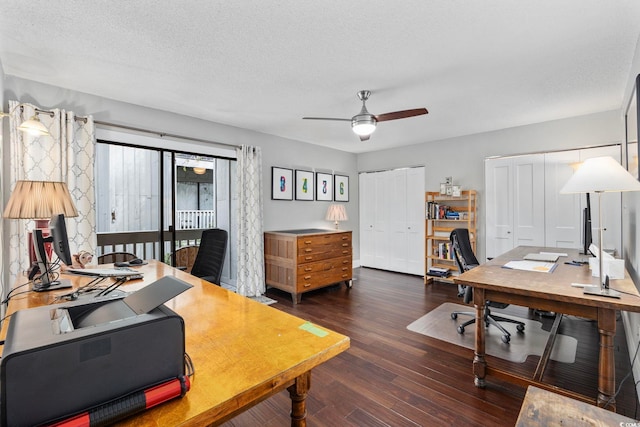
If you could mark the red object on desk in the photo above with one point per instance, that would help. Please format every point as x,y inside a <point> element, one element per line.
<point>129,405</point>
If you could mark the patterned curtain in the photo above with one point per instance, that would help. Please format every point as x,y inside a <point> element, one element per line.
<point>250,280</point>
<point>67,155</point>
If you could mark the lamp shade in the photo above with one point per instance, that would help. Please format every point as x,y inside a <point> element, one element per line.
<point>600,175</point>
<point>336,213</point>
<point>34,127</point>
<point>39,200</point>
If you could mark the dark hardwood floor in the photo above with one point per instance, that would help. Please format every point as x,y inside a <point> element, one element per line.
<point>394,377</point>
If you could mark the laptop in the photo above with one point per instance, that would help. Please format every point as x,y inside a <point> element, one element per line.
<point>542,256</point>
<point>104,272</point>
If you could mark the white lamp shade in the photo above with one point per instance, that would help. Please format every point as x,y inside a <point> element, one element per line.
<point>600,175</point>
<point>34,127</point>
<point>336,213</point>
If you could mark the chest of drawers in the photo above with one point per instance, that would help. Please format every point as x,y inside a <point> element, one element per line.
<point>298,261</point>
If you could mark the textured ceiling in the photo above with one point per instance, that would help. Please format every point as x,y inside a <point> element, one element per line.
<point>263,65</point>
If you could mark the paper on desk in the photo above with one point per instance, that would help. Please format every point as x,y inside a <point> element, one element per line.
<point>542,267</point>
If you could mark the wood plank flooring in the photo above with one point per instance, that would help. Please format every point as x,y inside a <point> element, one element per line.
<point>394,377</point>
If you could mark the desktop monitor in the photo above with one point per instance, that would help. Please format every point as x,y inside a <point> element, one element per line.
<point>587,232</point>
<point>59,239</point>
<point>60,246</point>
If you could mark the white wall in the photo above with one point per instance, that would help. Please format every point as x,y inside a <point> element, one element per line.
<point>463,157</point>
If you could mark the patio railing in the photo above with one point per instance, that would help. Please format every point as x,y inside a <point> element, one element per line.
<point>195,219</point>
<point>145,244</point>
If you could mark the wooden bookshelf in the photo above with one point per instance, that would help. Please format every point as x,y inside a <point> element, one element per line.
<point>442,215</point>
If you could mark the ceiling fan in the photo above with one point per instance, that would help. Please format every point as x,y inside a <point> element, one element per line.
<point>364,123</point>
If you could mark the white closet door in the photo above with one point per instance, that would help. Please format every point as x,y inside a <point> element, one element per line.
<point>514,189</point>
<point>528,214</point>
<point>381,229</point>
<point>392,220</point>
<point>415,221</point>
<point>366,191</point>
<point>499,206</point>
<point>563,212</point>
<point>397,200</point>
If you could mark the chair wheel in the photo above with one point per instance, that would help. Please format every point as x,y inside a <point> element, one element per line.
<point>461,329</point>
<point>454,316</point>
<point>506,339</point>
<point>520,328</point>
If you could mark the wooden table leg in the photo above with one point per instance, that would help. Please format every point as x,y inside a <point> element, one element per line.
<point>606,366</point>
<point>298,393</point>
<point>479,362</point>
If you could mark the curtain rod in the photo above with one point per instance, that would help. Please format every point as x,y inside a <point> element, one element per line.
<point>163,134</point>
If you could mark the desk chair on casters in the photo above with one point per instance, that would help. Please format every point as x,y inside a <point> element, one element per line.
<point>210,258</point>
<point>466,260</point>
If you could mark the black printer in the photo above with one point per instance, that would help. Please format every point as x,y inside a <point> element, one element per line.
<point>66,359</point>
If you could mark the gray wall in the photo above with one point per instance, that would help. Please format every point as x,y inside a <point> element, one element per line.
<point>276,151</point>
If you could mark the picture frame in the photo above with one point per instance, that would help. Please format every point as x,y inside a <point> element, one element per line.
<point>324,187</point>
<point>631,153</point>
<point>443,188</point>
<point>456,191</point>
<point>340,188</point>
<point>304,185</point>
<point>281,183</point>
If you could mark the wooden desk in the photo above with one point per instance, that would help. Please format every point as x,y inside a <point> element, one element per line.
<point>552,292</point>
<point>242,351</point>
<point>542,408</point>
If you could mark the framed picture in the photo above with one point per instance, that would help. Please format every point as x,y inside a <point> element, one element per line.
<point>281,183</point>
<point>455,191</point>
<point>304,185</point>
<point>324,182</point>
<point>443,188</point>
<point>340,188</point>
<point>631,152</point>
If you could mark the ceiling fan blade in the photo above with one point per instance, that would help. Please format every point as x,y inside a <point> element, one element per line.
<point>325,118</point>
<point>364,138</point>
<point>401,114</point>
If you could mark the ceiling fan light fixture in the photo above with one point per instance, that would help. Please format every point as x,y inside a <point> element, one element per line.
<point>363,125</point>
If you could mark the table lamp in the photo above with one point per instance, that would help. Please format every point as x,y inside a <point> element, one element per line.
<point>601,175</point>
<point>39,200</point>
<point>336,213</point>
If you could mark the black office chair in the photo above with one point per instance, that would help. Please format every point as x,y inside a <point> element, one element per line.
<point>466,260</point>
<point>210,259</point>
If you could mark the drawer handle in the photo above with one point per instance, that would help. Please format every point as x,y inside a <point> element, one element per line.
<point>308,258</point>
<point>345,252</point>
<point>308,250</point>
<point>345,276</point>
<point>306,285</point>
<point>308,269</point>
<point>307,242</point>
<point>345,262</point>
<point>344,245</point>
<point>307,277</point>
<point>345,268</point>
<point>344,237</point>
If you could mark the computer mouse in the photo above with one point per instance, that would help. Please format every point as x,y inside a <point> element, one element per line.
<point>136,261</point>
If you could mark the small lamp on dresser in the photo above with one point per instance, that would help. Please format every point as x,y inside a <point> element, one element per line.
<point>336,213</point>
